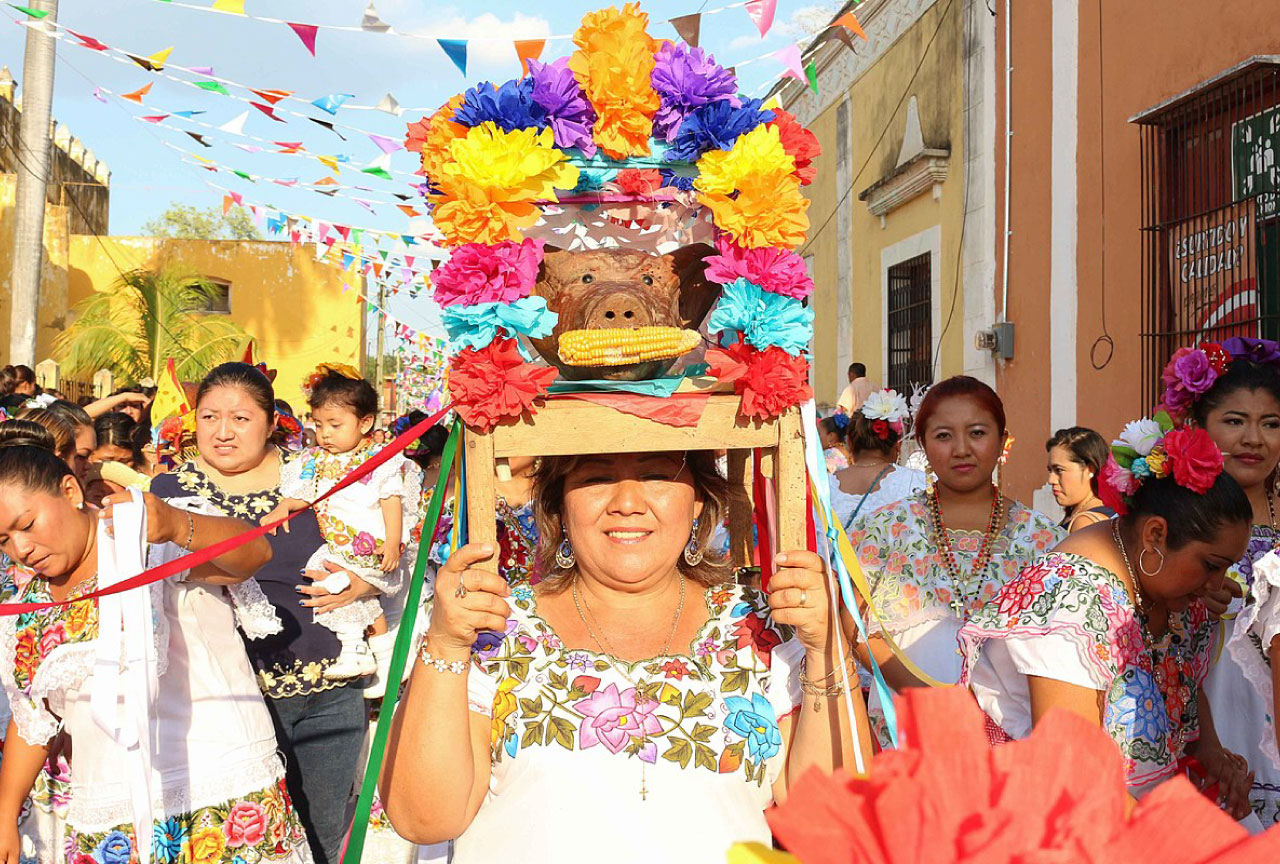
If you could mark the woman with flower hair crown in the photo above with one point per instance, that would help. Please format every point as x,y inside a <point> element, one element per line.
<point>873,478</point>
<point>935,557</point>
<point>1232,391</point>
<point>1110,625</point>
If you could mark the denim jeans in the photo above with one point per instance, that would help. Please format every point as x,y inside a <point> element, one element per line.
<point>320,735</point>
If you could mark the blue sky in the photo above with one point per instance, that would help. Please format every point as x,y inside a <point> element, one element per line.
<point>147,175</point>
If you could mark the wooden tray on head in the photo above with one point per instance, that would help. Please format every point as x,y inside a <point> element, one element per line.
<point>564,427</point>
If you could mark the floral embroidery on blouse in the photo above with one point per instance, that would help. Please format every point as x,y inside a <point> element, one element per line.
<point>260,826</point>
<point>1151,696</point>
<point>251,506</point>
<point>707,710</point>
<point>38,633</point>
<point>1262,539</point>
<point>909,583</point>
<point>296,679</point>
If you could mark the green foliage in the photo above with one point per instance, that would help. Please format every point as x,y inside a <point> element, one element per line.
<point>183,221</point>
<point>145,318</point>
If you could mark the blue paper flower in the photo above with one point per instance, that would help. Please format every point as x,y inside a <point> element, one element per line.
<point>764,318</point>
<point>510,106</point>
<point>672,180</point>
<point>1140,468</point>
<point>477,325</point>
<point>716,126</point>
<point>686,78</point>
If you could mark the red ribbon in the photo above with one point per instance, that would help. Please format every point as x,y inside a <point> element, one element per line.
<point>195,559</point>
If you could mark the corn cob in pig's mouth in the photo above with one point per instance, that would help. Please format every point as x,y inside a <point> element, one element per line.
<point>620,347</point>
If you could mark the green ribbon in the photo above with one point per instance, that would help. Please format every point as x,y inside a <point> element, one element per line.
<point>364,804</point>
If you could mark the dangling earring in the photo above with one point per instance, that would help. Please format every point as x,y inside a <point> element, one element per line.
<point>79,505</point>
<point>1142,557</point>
<point>565,558</point>
<point>693,553</point>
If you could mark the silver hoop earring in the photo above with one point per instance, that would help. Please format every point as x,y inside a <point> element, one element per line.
<point>693,553</point>
<point>1142,557</point>
<point>565,559</point>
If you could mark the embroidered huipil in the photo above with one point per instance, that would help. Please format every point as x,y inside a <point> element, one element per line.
<point>1069,619</point>
<point>912,590</point>
<point>568,738</point>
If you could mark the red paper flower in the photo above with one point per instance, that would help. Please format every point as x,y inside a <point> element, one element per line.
<point>799,142</point>
<point>769,381</point>
<point>495,383</point>
<point>1193,458</point>
<point>948,796</point>
<point>639,182</point>
<point>1219,359</point>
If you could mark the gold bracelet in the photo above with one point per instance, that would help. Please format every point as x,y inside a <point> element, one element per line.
<point>191,531</point>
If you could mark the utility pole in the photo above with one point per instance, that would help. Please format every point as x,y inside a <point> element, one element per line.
<point>33,173</point>
<point>382,341</point>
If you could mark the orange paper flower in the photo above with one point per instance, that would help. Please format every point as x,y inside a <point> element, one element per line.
<point>613,65</point>
<point>768,210</point>
<point>431,137</point>
<point>1057,796</point>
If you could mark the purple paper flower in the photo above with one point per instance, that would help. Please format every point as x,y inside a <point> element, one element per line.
<point>1188,375</point>
<point>686,78</point>
<point>567,110</point>
<point>510,106</point>
<point>1261,351</point>
<point>715,126</point>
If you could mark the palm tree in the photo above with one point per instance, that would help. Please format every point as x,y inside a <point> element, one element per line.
<point>147,317</point>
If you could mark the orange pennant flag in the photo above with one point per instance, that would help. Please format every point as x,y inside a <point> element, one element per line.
<point>325,181</point>
<point>273,96</point>
<point>408,211</point>
<point>526,50</point>
<point>226,204</point>
<point>849,21</point>
<point>136,95</point>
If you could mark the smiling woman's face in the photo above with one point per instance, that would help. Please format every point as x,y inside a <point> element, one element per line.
<point>629,516</point>
<point>35,528</point>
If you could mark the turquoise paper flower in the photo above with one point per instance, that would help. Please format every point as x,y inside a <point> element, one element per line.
<point>476,326</point>
<point>764,318</point>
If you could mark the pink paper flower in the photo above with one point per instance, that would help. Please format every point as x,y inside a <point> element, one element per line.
<point>476,273</point>
<point>778,271</point>
<point>612,718</point>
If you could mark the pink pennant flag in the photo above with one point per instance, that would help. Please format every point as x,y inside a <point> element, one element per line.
<point>386,145</point>
<point>201,70</point>
<point>268,110</point>
<point>97,94</point>
<point>293,182</point>
<point>790,58</point>
<point>307,33</point>
<point>154,118</point>
<point>761,12</point>
<point>237,197</point>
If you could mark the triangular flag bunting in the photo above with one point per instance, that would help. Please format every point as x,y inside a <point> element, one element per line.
<point>790,58</point>
<point>849,21</point>
<point>811,73</point>
<point>332,102</point>
<point>773,103</point>
<point>371,21</point>
<point>199,139</point>
<point>689,27</point>
<point>761,12</point>
<point>325,181</point>
<point>386,145</point>
<point>189,113</point>
<point>226,204</point>
<point>344,230</point>
<point>293,182</point>
<point>408,211</point>
<point>136,95</point>
<point>170,399</point>
<point>326,124</point>
<point>248,177</point>
<point>526,50</point>
<point>307,33</point>
<point>236,124</point>
<point>34,13</point>
<point>154,118</point>
<point>231,7</point>
<point>212,87</point>
<point>89,41</point>
<point>248,148</point>
<point>268,110</point>
<point>200,70</point>
<point>376,171</point>
<point>157,59</point>
<point>844,36</point>
<point>329,162</point>
<point>390,105</point>
<point>289,146</point>
<point>457,51</point>
<point>97,94</point>
<point>273,96</point>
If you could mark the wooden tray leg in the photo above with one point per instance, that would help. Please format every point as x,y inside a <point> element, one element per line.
<point>740,510</point>
<point>482,501</point>
<point>791,480</point>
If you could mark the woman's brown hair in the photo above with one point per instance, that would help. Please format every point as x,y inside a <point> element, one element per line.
<point>60,427</point>
<point>709,486</point>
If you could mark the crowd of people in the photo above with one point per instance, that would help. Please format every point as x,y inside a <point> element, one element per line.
<point>603,643</point>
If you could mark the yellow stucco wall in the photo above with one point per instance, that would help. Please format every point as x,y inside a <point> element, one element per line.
<point>875,109</point>
<point>53,276</point>
<point>292,304</point>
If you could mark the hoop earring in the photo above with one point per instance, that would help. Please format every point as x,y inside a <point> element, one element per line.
<point>565,559</point>
<point>693,553</point>
<point>1142,557</point>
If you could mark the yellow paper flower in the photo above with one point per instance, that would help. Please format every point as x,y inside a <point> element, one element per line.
<point>760,151</point>
<point>207,845</point>
<point>1155,461</point>
<point>613,65</point>
<point>769,210</point>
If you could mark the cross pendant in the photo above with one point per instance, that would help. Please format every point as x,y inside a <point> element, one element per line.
<point>644,792</point>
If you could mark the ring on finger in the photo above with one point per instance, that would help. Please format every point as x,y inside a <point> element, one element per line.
<point>461,590</point>
<point>804,597</point>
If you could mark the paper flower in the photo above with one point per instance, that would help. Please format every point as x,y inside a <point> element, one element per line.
<point>686,78</point>
<point>613,64</point>
<point>767,210</point>
<point>769,381</point>
<point>494,384</point>
<point>888,405</point>
<point>757,152</point>
<point>476,326</point>
<point>509,107</point>
<point>1057,795</point>
<point>638,182</point>
<point>764,319</point>
<point>672,180</point>
<point>1262,351</point>
<point>477,273</point>
<point>778,271</point>
<point>800,143</point>
<point>1188,376</point>
<point>1194,460</point>
<point>1141,435</point>
<point>1115,485</point>
<point>430,138</point>
<point>715,126</point>
<point>567,110</point>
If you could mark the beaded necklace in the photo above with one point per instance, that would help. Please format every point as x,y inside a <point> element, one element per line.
<point>959,601</point>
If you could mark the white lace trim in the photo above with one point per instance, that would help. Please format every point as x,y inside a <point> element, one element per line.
<point>255,614</point>
<point>1261,618</point>
<point>101,807</point>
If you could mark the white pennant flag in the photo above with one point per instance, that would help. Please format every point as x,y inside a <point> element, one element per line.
<point>235,126</point>
<point>390,105</point>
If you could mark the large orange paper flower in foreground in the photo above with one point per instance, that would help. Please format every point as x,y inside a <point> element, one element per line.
<point>1057,797</point>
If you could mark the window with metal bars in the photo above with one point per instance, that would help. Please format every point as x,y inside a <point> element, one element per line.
<point>910,312</point>
<point>1211,215</point>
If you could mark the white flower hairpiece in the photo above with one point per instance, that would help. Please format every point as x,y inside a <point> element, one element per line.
<point>887,405</point>
<point>44,400</point>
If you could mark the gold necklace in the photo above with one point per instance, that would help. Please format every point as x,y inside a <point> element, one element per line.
<point>642,698</point>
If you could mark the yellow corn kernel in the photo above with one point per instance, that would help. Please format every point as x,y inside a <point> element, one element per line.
<point>618,347</point>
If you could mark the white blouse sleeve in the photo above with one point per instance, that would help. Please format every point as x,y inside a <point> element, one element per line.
<point>783,690</point>
<point>291,482</point>
<point>1054,656</point>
